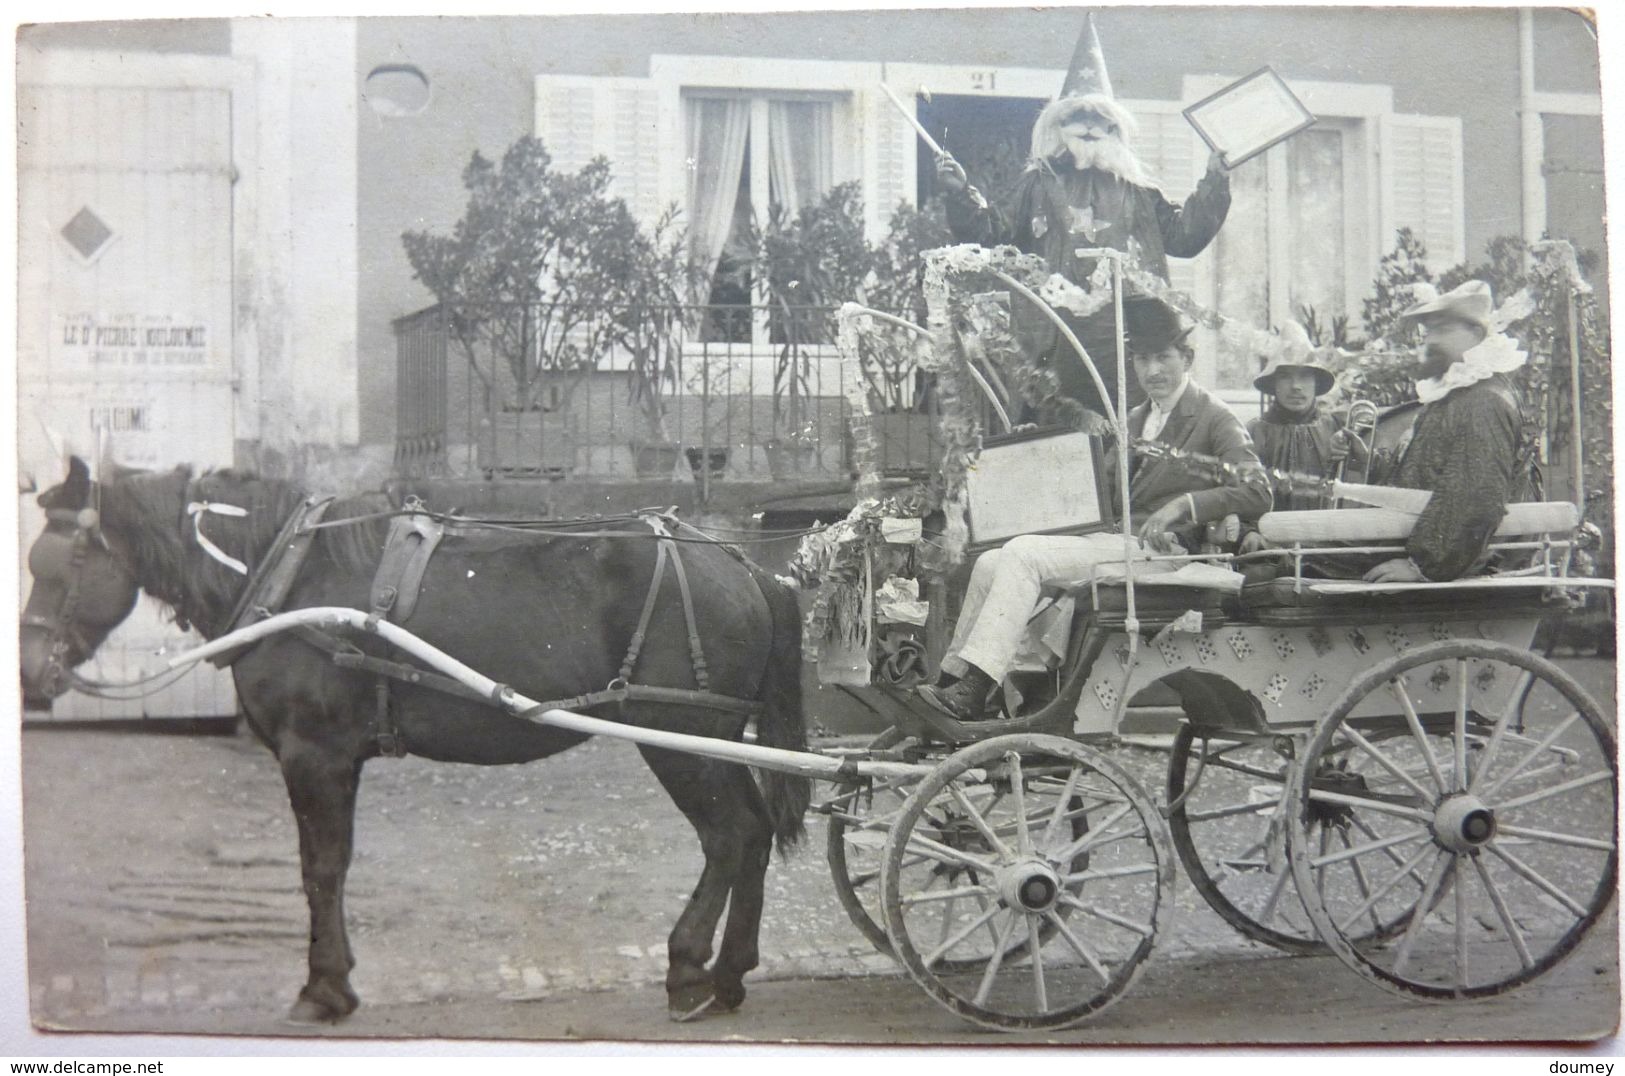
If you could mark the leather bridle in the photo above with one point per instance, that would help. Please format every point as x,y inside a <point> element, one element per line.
<point>62,633</point>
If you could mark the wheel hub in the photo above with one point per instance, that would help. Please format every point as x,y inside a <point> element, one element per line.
<point>1463,823</point>
<point>1029,885</point>
<point>1335,778</point>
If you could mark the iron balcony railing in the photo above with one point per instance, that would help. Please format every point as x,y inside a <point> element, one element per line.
<point>598,391</point>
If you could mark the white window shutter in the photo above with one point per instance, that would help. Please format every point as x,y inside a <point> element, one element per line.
<point>580,117</point>
<point>1422,185</point>
<point>1167,146</point>
<point>889,144</point>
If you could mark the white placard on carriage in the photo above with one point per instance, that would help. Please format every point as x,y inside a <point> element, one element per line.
<point>1249,116</point>
<point>1036,482</point>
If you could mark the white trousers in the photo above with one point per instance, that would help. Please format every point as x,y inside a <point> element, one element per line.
<point>1004,589</point>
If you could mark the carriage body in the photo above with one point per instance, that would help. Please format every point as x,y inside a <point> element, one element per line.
<point>1291,668</point>
<point>1382,771</point>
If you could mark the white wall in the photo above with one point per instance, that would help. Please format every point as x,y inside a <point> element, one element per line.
<point>296,246</point>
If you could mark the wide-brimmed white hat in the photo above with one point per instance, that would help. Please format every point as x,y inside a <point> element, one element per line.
<point>1471,301</point>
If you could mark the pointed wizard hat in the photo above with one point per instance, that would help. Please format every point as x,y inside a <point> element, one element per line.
<point>1087,75</point>
<point>1087,87</point>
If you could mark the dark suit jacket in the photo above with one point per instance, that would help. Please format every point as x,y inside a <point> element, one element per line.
<point>1200,423</point>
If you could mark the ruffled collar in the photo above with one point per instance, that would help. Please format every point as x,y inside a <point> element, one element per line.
<point>1496,354</point>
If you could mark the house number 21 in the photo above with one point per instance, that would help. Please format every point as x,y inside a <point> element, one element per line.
<point>983,80</point>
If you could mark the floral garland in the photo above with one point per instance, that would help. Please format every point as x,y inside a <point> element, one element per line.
<point>833,560</point>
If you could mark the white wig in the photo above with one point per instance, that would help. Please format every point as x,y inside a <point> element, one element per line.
<point>1047,141</point>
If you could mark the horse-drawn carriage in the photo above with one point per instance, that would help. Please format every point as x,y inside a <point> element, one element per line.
<point>1384,770</point>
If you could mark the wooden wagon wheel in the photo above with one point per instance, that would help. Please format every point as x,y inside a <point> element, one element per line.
<point>860,816</point>
<point>1495,789</point>
<point>1224,794</point>
<point>1035,940</point>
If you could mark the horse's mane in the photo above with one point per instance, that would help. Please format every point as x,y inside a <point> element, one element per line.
<point>357,547</point>
<point>149,510</point>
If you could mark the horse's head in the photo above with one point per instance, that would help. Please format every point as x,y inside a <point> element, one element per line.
<point>82,588</point>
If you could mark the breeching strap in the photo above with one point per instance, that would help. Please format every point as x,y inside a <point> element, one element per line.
<point>664,550</point>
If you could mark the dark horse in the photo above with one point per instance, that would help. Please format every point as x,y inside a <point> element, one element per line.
<point>549,615</point>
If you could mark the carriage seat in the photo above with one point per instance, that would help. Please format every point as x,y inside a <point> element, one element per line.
<point>1388,525</point>
<point>1288,599</point>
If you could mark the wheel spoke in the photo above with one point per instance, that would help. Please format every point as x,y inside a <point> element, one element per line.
<point>991,972</point>
<point>1498,733</point>
<point>1364,827</point>
<point>1533,877</point>
<point>1546,741</point>
<point>1034,945</point>
<point>1229,812</point>
<point>1052,832</point>
<point>1084,877</point>
<point>1373,846</point>
<point>946,894</point>
<point>1461,731</point>
<point>1461,922</point>
<point>1396,686</point>
<point>1144,930</point>
<point>1556,790</point>
<point>1503,913</point>
<point>978,821</point>
<point>1568,840</point>
<point>1272,905</point>
<point>1382,760</point>
<point>1077,945</point>
<point>1406,867</point>
<point>1398,810</point>
<point>943,854</point>
<point>1360,880</point>
<point>1413,929</point>
<point>1018,791</point>
<point>1094,836</point>
<point>966,931</point>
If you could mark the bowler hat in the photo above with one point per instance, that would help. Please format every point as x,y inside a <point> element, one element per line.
<point>1296,353</point>
<point>1151,325</point>
<point>1471,302</point>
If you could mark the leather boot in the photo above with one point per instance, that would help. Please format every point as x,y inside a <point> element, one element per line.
<point>965,699</point>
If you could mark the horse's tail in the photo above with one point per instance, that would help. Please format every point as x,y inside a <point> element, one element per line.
<point>783,722</point>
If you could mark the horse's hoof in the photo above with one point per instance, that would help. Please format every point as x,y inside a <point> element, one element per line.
<point>729,996</point>
<point>307,1011</point>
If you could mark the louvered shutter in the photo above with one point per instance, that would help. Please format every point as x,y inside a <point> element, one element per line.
<point>889,149</point>
<point>580,117</point>
<point>1167,146</point>
<point>1422,185</point>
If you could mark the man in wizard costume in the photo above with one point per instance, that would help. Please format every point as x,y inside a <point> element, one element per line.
<point>1084,187</point>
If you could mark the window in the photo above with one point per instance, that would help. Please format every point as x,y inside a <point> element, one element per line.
<point>749,156</point>
<point>1296,244</point>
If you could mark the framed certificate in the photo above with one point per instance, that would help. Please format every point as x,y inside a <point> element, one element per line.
<point>1044,481</point>
<point>1249,116</point>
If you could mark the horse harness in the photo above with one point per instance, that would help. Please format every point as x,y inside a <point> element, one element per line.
<point>414,535</point>
<point>59,626</point>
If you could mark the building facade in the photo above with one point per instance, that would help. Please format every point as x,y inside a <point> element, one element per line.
<point>211,265</point>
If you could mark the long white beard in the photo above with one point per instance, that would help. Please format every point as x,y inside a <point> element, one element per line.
<point>1109,155</point>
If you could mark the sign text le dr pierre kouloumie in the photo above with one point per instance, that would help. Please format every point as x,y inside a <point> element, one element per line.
<point>128,341</point>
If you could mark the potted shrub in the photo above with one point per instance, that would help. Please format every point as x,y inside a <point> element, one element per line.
<point>802,267</point>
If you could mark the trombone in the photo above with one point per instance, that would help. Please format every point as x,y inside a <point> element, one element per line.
<point>1361,428</point>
